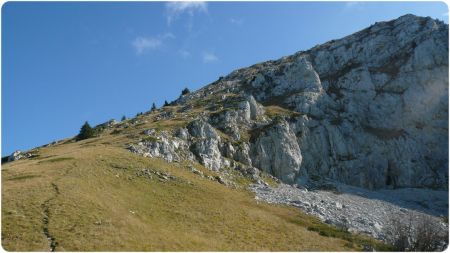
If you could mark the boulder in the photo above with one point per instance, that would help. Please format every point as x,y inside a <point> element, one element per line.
<point>16,155</point>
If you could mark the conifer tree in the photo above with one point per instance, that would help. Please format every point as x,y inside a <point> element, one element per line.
<point>153,107</point>
<point>123,118</point>
<point>185,91</point>
<point>86,132</point>
<point>166,103</point>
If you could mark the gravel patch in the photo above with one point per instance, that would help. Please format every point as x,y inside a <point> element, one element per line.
<point>359,210</point>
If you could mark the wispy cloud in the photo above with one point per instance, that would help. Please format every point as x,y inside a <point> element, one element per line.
<point>175,9</point>
<point>145,44</point>
<point>353,5</point>
<point>445,14</point>
<point>184,53</point>
<point>209,57</point>
<point>167,35</point>
<point>350,4</point>
<point>142,44</point>
<point>237,21</point>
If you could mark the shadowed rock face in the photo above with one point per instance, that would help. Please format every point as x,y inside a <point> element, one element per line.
<point>371,111</point>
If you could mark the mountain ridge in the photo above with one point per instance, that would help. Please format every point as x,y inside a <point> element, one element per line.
<point>333,131</point>
<point>387,66</point>
<point>327,44</point>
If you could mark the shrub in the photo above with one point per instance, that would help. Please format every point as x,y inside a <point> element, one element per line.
<point>123,118</point>
<point>418,234</point>
<point>166,103</point>
<point>153,107</point>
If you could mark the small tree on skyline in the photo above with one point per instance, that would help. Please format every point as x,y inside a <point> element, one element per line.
<point>153,107</point>
<point>185,91</point>
<point>86,132</point>
<point>166,103</point>
<point>123,118</point>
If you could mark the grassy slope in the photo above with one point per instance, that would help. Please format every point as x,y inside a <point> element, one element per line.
<point>95,201</point>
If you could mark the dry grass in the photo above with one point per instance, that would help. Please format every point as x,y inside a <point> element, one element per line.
<point>274,110</point>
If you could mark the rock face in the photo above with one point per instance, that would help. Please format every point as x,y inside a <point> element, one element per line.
<point>276,151</point>
<point>369,110</point>
<point>206,145</point>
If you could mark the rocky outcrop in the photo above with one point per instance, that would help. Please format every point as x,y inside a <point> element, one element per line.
<point>107,124</point>
<point>16,155</point>
<point>161,144</point>
<point>199,140</point>
<point>373,105</point>
<point>276,151</point>
<point>369,110</point>
<point>206,145</point>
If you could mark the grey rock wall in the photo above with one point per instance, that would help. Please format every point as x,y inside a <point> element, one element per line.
<point>371,110</point>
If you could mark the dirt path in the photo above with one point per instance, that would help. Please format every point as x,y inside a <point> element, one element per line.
<point>52,242</point>
<point>46,219</point>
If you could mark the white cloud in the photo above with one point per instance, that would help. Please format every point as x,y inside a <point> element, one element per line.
<point>175,9</point>
<point>353,5</point>
<point>209,57</point>
<point>145,44</point>
<point>237,21</point>
<point>142,44</point>
<point>350,4</point>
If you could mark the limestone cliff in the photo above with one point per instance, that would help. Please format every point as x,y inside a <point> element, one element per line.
<point>368,110</point>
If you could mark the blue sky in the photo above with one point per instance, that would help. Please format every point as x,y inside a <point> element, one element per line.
<point>67,62</point>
